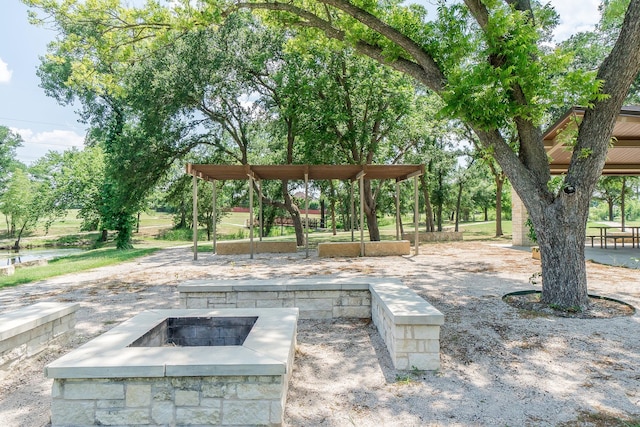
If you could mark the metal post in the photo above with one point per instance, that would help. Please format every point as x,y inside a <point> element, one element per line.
<point>306,207</point>
<point>195,217</point>
<point>251,216</point>
<point>416,213</point>
<point>215,197</point>
<point>397,210</point>
<point>362,215</point>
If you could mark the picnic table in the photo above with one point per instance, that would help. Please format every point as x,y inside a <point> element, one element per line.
<point>606,234</point>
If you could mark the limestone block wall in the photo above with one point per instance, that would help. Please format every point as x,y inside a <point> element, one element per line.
<point>436,236</point>
<point>202,401</point>
<point>387,248</point>
<point>338,249</point>
<point>352,249</point>
<point>27,331</point>
<point>313,304</point>
<point>410,346</point>
<point>243,247</point>
<point>409,325</point>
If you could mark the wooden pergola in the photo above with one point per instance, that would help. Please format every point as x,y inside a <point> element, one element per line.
<point>258,173</point>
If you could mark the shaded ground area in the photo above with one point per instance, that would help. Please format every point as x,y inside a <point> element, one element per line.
<point>500,365</point>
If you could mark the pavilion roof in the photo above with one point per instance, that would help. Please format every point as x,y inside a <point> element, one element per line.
<point>623,157</point>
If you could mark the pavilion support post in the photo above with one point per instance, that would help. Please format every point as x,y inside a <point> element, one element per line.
<point>306,216</point>
<point>416,214</point>
<point>251,219</point>
<point>397,210</point>
<point>352,209</point>
<point>194,224</point>
<point>361,214</point>
<point>214,213</point>
<point>260,217</point>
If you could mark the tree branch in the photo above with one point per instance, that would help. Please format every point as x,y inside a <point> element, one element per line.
<point>424,70</point>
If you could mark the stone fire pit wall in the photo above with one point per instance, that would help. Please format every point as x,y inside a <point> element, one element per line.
<point>409,325</point>
<point>109,382</point>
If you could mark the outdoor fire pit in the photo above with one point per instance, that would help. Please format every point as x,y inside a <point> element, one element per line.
<point>180,367</point>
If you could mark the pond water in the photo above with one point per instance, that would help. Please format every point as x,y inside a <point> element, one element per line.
<point>24,255</point>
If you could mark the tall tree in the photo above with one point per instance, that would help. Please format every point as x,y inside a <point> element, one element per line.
<point>489,62</point>
<point>9,141</point>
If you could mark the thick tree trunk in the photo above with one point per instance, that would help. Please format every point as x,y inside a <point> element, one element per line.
<point>370,212</point>
<point>561,237</point>
<point>295,214</point>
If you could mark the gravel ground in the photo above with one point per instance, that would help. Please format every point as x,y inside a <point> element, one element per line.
<point>500,366</point>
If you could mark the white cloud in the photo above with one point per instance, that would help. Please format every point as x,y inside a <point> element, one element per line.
<point>37,144</point>
<point>5,72</point>
<point>55,139</point>
<point>575,16</point>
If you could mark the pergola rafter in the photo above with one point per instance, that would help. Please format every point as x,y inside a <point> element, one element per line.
<point>352,173</point>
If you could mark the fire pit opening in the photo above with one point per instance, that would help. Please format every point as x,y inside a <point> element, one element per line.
<point>197,332</point>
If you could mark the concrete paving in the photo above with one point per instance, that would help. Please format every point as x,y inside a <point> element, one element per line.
<point>621,257</point>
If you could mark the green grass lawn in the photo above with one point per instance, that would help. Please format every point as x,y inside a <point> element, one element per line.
<point>73,264</point>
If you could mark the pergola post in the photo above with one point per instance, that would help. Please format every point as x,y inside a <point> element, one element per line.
<point>195,217</point>
<point>397,210</point>
<point>260,217</point>
<point>214,213</point>
<point>306,216</point>
<point>416,214</point>
<point>251,216</point>
<point>352,208</point>
<point>361,214</point>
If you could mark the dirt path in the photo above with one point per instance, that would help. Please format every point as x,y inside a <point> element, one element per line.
<point>500,366</point>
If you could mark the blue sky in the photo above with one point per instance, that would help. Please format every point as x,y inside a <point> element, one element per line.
<point>45,125</point>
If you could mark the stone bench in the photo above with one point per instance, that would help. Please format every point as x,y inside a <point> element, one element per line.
<point>435,236</point>
<point>338,249</point>
<point>352,249</point>
<point>409,325</point>
<point>27,331</point>
<point>387,248</point>
<point>241,247</point>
